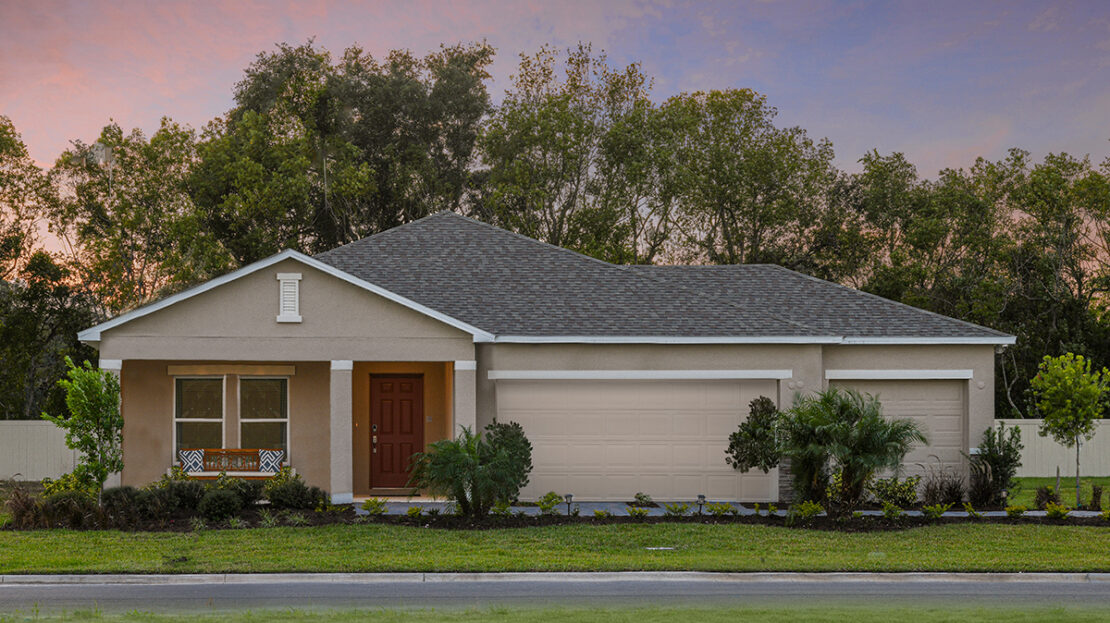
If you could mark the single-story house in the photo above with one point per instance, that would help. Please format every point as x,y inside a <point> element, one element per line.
<point>625,378</point>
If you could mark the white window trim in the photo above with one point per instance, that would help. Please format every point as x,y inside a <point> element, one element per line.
<point>638,375</point>
<point>288,411</point>
<point>285,279</point>
<point>173,409</point>
<point>898,375</point>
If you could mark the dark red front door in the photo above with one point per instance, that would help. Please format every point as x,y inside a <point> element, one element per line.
<point>396,428</point>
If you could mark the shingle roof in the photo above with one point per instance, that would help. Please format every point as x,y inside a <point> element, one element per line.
<point>510,285</point>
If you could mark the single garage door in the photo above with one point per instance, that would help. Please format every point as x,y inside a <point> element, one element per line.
<point>607,440</point>
<point>937,406</point>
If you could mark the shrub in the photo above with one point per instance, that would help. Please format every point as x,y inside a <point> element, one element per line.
<point>296,519</point>
<point>549,503</point>
<point>891,511</point>
<point>755,443</point>
<point>1105,515</point>
<point>1053,510</point>
<point>1000,449</point>
<point>295,494</point>
<point>69,509</point>
<point>70,482</point>
<point>720,509</point>
<point>183,494</point>
<point>475,471</point>
<point>643,500</point>
<point>772,509</point>
<point>935,512</point>
<point>676,509</point>
<point>236,523</point>
<point>1014,512</point>
<point>804,512</point>
<point>602,513</point>
<point>197,524</point>
<point>637,512</point>
<point>267,519</point>
<point>414,511</point>
<point>25,508</point>
<point>1044,496</point>
<point>249,491</point>
<point>120,505</point>
<point>900,493</point>
<point>941,485</point>
<point>375,507</point>
<point>219,504</point>
<point>1096,498</point>
<point>156,504</point>
<point>502,509</point>
<point>971,512</point>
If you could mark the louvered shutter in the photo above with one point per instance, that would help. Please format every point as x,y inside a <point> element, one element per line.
<point>289,297</point>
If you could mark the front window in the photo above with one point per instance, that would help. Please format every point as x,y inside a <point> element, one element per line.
<point>264,413</point>
<point>199,413</point>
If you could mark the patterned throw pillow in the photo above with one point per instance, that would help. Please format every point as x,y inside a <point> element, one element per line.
<point>270,460</point>
<point>192,460</point>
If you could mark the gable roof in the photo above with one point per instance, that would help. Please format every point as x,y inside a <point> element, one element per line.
<point>500,286</point>
<point>523,290</point>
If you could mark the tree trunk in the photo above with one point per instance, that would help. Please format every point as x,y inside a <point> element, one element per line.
<point>1077,472</point>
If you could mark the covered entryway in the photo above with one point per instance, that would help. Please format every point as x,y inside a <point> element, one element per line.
<point>606,440</point>
<point>938,406</point>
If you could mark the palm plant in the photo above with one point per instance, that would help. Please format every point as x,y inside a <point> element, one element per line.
<point>850,427</point>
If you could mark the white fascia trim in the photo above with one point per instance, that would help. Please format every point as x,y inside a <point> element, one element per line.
<point>111,364</point>
<point>92,334</point>
<point>636,375</point>
<point>662,339</point>
<point>342,364</point>
<point>947,341</point>
<point>466,364</point>
<point>897,375</point>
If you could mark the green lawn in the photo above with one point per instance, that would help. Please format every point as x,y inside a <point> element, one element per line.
<point>380,548</point>
<point>775,614</point>
<point>1024,496</point>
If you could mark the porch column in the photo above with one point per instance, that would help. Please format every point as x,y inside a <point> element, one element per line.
<point>113,367</point>
<point>342,481</point>
<point>465,385</point>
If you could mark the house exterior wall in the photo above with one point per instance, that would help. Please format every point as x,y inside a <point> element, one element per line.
<point>340,321</point>
<point>147,405</point>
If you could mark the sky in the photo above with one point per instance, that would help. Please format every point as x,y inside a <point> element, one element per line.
<point>943,82</point>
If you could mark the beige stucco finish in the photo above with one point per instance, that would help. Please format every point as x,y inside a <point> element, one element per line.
<point>238,319</point>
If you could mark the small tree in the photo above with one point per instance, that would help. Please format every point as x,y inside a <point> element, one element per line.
<point>94,426</point>
<point>754,443</point>
<point>1069,398</point>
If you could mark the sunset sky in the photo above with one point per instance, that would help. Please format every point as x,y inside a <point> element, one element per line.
<point>943,82</point>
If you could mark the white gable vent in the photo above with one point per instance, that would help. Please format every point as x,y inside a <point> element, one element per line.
<point>289,297</point>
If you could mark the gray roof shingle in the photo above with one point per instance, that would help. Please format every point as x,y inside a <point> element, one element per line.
<point>507,284</point>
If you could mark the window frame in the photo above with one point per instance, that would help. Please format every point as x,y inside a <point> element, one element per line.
<point>288,409</point>
<point>173,409</point>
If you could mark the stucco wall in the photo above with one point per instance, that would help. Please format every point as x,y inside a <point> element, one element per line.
<point>147,408</point>
<point>340,321</point>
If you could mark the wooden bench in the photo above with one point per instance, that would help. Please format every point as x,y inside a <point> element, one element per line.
<point>209,463</point>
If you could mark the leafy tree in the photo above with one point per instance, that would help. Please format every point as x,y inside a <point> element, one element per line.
<point>94,426</point>
<point>755,443</point>
<point>23,190</point>
<point>40,314</point>
<point>330,151</point>
<point>581,159</point>
<point>1000,451</point>
<point>125,212</point>
<point>475,470</point>
<point>1069,396</point>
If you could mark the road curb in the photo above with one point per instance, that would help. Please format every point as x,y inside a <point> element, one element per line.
<point>628,576</point>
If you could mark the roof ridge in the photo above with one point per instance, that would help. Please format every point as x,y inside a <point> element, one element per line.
<point>869,295</point>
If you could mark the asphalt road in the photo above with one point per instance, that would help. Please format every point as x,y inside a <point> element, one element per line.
<point>448,592</point>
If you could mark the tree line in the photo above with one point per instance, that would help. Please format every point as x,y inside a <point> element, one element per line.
<point>320,150</point>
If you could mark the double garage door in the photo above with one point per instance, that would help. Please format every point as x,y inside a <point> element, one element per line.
<point>606,440</point>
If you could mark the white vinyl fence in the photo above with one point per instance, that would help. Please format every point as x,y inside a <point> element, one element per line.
<point>1042,455</point>
<point>33,450</point>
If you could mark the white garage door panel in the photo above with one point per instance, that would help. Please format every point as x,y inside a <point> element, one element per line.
<point>607,440</point>
<point>937,406</point>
